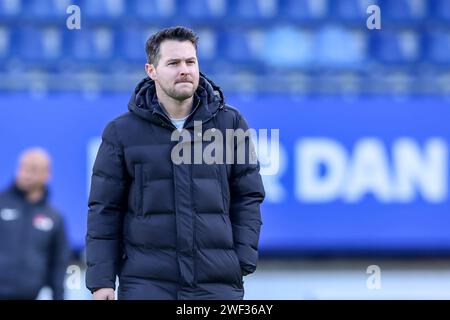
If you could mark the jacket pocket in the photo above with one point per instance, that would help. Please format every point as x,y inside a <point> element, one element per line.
<point>138,186</point>
<point>122,261</point>
<point>240,275</point>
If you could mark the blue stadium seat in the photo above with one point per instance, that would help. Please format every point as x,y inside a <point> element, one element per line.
<point>40,45</point>
<point>103,9</point>
<point>404,10</point>
<point>438,46</point>
<point>132,43</point>
<point>303,10</point>
<point>10,8</point>
<point>91,45</point>
<point>155,9</point>
<point>351,10</point>
<point>240,46</point>
<point>208,45</point>
<point>6,48</point>
<point>396,47</point>
<point>331,53</point>
<point>287,47</point>
<point>203,9</point>
<point>253,9</point>
<point>46,8</point>
<point>440,9</point>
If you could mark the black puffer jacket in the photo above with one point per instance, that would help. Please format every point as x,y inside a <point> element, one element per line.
<point>187,231</point>
<point>34,251</point>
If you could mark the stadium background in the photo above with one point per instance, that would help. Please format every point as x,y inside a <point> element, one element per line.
<point>363,119</point>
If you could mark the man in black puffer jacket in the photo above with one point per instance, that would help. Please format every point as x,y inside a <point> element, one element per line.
<point>172,230</point>
<point>34,251</point>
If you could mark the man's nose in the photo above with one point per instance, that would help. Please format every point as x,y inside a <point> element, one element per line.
<point>184,70</point>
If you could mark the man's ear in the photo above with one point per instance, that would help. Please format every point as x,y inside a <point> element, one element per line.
<point>151,71</point>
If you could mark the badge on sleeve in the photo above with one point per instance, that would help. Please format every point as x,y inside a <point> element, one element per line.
<point>9,214</point>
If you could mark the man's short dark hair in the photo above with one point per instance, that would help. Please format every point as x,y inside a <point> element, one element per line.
<point>174,33</point>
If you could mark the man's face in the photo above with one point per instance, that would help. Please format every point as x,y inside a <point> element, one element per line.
<point>33,172</point>
<point>177,71</point>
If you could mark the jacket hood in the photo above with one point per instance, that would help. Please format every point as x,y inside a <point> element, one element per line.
<point>144,103</point>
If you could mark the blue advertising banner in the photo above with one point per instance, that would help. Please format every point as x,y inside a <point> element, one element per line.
<point>351,175</point>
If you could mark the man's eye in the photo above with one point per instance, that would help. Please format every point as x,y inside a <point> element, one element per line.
<point>172,63</point>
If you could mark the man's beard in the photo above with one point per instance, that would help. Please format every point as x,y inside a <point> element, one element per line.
<point>178,94</point>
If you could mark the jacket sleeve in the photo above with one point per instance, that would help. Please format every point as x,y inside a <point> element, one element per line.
<point>246,195</point>
<point>59,260</point>
<point>107,205</point>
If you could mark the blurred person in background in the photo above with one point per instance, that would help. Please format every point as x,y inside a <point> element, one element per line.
<point>171,231</point>
<point>34,252</point>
